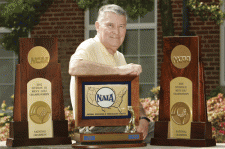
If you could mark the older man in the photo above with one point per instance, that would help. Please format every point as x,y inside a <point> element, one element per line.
<point>99,55</point>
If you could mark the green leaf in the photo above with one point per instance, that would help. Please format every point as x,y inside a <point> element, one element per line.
<point>134,8</point>
<point>20,16</point>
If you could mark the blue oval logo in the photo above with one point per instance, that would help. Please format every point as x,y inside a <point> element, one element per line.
<point>105,97</point>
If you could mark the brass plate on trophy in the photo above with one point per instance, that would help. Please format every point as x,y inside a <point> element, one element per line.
<point>180,113</point>
<point>111,137</point>
<point>106,100</point>
<point>181,56</point>
<point>180,108</point>
<point>38,57</point>
<point>39,108</point>
<point>109,140</point>
<point>40,112</point>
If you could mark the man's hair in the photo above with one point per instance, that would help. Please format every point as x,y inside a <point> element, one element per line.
<point>110,8</point>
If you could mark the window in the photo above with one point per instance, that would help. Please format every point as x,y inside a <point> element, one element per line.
<point>8,62</point>
<point>222,52</point>
<point>140,45</point>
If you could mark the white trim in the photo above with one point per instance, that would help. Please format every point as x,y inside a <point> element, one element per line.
<point>156,47</point>
<point>222,82</point>
<point>129,26</point>
<point>222,62</point>
<point>7,58</point>
<point>4,84</point>
<point>4,30</point>
<point>87,27</point>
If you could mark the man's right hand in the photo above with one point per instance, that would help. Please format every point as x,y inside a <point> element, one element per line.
<point>132,69</point>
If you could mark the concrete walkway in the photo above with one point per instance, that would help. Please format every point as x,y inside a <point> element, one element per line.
<point>3,146</point>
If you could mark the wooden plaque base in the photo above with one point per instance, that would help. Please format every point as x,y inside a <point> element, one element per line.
<point>19,135</point>
<point>108,140</point>
<point>110,145</point>
<point>183,142</point>
<point>200,136</point>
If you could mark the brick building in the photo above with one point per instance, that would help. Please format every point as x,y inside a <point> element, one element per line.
<point>71,25</point>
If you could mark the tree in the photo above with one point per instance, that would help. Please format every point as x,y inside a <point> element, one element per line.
<point>134,8</point>
<point>20,16</point>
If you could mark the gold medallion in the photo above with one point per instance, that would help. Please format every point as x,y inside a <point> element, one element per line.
<point>38,57</point>
<point>40,112</point>
<point>181,56</point>
<point>180,113</point>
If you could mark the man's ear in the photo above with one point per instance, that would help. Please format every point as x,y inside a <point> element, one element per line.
<point>97,25</point>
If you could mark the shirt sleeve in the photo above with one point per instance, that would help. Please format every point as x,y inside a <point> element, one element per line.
<point>121,59</point>
<point>79,54</point>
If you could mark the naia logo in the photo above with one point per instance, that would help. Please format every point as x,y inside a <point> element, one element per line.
<point>105,97</point>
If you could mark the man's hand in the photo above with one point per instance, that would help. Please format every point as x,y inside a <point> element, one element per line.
<point>132,69</point>
<point>143,127</point>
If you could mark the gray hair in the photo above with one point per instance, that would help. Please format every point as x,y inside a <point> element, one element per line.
<point>110,8</point>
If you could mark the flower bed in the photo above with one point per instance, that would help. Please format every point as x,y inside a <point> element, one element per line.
<point>4,126</point>
<point>215,110</point>
<point>216,113</point>
<point>151,108</point>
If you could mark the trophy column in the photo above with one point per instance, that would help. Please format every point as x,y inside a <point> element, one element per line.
<point>182,111</point>
<point>38,116</point>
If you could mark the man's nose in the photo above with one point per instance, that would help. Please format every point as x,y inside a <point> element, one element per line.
<point>116,30</point>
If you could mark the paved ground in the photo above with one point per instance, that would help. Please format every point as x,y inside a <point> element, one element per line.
<point>3,146</point>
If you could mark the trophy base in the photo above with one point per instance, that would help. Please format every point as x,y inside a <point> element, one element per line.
<point>108,140</point>
<point>19,135</point>
<point>113,144</point>
<point>31,142</point>
<point>183,142</point>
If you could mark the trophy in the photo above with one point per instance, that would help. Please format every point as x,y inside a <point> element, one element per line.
<point>38,116</point>
<point>107,101</point>
<point>183,117</point>
<point>131,127</point>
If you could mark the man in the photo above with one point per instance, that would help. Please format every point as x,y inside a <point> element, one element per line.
<point>99,55</point>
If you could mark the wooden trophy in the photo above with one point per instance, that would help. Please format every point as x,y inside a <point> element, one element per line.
<point>38,116</point>
<point>106,101</point>
<point>183,117</point>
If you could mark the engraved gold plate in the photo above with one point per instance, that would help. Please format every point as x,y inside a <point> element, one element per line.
<point>180,108</point>
<point>106,100</point>
<point>38,57</point>
<point>39,108</point>
<point>180,113</point>
<point>40,112</point>
<point>181,56</point>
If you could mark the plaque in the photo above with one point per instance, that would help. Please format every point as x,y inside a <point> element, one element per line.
<point>39,105</point>
<point>183,117</point>
<point>111,100</point>
<point>106,100</point>
<point>180,107</point>
<point>38,116</point>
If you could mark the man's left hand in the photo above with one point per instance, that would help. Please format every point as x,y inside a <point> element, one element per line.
<point>143,127</point>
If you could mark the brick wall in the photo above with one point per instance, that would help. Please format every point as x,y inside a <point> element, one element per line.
<point>210,43</point>
<point>65,21</point>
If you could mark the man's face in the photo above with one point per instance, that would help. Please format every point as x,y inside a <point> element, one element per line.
<point>111,31</point>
